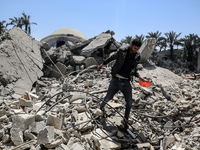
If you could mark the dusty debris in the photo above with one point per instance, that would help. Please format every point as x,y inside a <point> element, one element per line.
<point>191,76</point>
<point>62,112</point>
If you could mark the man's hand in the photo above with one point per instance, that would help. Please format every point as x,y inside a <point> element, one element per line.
<point>99,68</point>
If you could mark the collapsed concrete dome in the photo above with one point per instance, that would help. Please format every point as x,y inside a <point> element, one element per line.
<point>64,36</point>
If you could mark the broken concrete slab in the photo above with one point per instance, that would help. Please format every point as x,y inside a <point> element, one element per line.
<point>99,42</point>
<point>21,60</point>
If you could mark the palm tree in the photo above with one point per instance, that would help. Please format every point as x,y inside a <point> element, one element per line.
<point>16,22</point>
<point>171,38</point>
<point>27,23</point>
<point>2,27</point>
<point>162,44</point>
<point>198,61</point>
<point>177,43</point>
<point>140,37</point>
<point>191,43</point>
<point>160,41</point>
<point>127,40</point>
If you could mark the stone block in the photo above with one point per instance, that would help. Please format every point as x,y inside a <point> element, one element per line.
<point>109,144</point>
<point>81,118</point>
<point>6,138</point>
<point>62,147</point>
<point>98,112</point>
<point>46,135</point>
<point>24,102</point>
<point>23,121</point>
<point>16,136</point>
<point>29,135</point>
<point>54,121</point>
<point>2,133</point>
<point>78,59</point>
<point>54,144</point>
<point>36,127</point>
<point>167,141</point>
<point>142,146</point>
<point>77,146</point>
<point>88,83</point>
<point>90,61</point>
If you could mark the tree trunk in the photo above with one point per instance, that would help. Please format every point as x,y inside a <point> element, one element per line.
<point>198,62</point>
<point>190,55</point>
<point>171,52</point>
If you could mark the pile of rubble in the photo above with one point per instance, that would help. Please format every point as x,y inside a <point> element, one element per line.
<point>163,115</point>
<point>63,113</point>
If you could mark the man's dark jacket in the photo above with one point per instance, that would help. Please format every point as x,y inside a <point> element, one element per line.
<point>120,56</point>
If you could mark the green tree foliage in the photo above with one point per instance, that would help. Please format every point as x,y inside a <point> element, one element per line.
<point>191,44</point>
<point>140,37</point>
<point>26,22</point>
<point>127,40</point>
<point>16,22</point>
<point>160,41</point>
<point>2,27</point>
<point>171,38</point>
<point>21,22</point>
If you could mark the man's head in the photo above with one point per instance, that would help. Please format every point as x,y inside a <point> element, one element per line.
<point>135,45</point>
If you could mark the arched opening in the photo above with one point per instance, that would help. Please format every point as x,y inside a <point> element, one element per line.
<point>60,43</point>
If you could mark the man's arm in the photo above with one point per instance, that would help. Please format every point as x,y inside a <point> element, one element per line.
<point>109,59</point>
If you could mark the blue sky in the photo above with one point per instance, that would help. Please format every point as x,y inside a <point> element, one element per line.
<point>92,17</point>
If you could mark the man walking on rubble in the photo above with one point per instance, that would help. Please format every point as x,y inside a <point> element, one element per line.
<point>122,71</point>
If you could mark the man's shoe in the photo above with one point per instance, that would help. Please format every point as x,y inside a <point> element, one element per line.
<point>125,124</point>
<point>103,110</point>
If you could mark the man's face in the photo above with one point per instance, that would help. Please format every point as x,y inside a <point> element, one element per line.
<point>134,49</point>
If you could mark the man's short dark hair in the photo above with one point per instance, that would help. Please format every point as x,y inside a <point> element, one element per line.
<point>136,42</point>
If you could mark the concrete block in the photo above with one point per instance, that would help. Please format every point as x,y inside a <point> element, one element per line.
<point>98,112</point>
<point>24,102</point>
<point>88,83</point>
<point>77,146</point>
<point>2,133</point>
<point>29,135</point>
<point>46,135</point>
<point>39,116</point>
<point>16,136</point>
<point>90,61</point>
<point>168,140</point>
<point>85,126</point>
<point>22,121</point>
<point>142,146</point>
<point>36,127</point>
<point>62,147</point>
<point>54,121</point>
<point>54,144</point>
<point>36,106</point>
